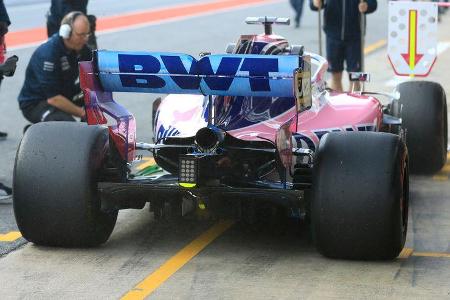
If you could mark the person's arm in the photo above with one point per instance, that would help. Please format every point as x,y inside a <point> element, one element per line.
<point>372,6</point>
<point>368,6</point>
<point>316,4</point>
<point>64,104</point>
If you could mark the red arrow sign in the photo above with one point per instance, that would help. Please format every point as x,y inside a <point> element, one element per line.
<point>412,57</point>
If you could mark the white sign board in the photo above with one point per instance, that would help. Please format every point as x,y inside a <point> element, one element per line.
<point>412,42</point>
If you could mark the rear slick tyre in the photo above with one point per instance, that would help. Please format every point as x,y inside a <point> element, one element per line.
<point>359,207</point>
<point>55,200</point>
<point>423,110</point>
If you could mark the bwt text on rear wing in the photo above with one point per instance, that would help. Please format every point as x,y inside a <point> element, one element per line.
<point>175,73</point>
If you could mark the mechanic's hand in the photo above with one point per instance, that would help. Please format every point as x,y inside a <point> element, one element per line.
<point>83,117</point>
<point>78,99</point>
<point>317,3</point>
<point>9,66</point>
<point>362,7</point>
<point>3,28</point>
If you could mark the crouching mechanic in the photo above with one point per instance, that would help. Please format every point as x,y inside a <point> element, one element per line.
<point>52,75</point>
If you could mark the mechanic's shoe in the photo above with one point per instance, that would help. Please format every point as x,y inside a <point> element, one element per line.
<point>5,199</point>
<point>5,194</point>
<point>297,24</point>
<point>3,135</point>
<point>5,189</point>
<point>26,128</point>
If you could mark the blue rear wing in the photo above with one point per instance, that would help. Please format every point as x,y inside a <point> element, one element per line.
<point>177,73</point>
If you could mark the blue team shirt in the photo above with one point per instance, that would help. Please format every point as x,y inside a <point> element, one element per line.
<point>52,70</point>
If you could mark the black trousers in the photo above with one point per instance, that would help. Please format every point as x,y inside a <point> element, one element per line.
<point>41,111</point>
<point>297,5</point>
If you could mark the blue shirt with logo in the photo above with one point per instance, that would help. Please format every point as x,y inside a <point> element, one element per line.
<point>52,70</point>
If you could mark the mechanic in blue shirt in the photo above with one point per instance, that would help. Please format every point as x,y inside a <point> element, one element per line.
<point>343,34</point>
<point>52,76</point>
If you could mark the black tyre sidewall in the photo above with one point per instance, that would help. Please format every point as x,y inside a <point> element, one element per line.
<point>357,186</point>
<point>55,193</point>
<point>424,116</point>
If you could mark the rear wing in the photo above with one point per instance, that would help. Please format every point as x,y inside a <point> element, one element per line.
<point>176,73</point>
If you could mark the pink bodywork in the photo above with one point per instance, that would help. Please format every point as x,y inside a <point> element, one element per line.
<point>330,112</point>
<point>338,112</point>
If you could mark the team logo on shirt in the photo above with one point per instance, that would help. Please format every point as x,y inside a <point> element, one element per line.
<point>49,66</point>
<point>65,63</point>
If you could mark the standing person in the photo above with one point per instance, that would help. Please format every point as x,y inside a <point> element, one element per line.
<point>4,23</point>
<point>5,191</point>
<point>52,76</point>
<point>297,5</point>
<point>60,8</point>
<point>343,35</point>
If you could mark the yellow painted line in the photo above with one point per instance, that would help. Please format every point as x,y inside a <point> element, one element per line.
<point>446,168</point>
<point>431,254</point>
<point>444,172</point>
<point>10,236</point>
<point>150,161</point>
<point>440,177</point>
<point>406,252</point>
<point>374,46</point>
<point>154,280</point>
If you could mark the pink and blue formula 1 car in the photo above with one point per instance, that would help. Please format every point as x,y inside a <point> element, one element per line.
<point>238,130</point>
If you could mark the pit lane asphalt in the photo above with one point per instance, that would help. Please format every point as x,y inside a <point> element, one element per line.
<point>241,263</point>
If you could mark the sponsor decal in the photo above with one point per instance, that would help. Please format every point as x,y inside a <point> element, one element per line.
<point>258,70</point>
<point>164,133</point>
<point>177,73</point>
<point>302,85</point>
